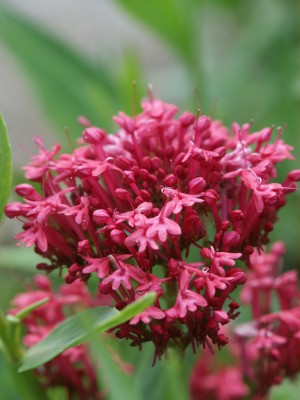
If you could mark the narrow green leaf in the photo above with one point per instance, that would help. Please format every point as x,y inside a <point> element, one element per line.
<point>170,19</point>
<point>79,328</point>
<point>261,65</point>
<point>27,310</point>
<point>111,376</point>
<point>175,367</point>
<point>5,166</point>
<point>16,386</point>
<point>68,85</point>
<point>9,340</point>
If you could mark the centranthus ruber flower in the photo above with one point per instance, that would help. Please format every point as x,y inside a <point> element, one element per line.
<point>216,382</point>
<point>73,369</point>
<point>131,207</point>
<point>265,350</point>
<point>270,342</point>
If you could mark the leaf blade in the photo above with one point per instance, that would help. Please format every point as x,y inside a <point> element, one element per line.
<point>65,81</point>
<point>5,165</point>
<point>111,369</point>
<point>73,332</point>
<point>171,20</point>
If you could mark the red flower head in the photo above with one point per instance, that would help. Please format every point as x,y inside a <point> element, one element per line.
<point>132,206</point>
<point>73,369</point>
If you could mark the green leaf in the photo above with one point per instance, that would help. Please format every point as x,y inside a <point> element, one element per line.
<point>111,377</point>
<point>27,310</point>
<point>175,367</point>
<point>9,338</point>
<point>16,386</point>
<point>170,19</point>
<point>68,85</point>
<point>5,165</point>
<point>79,328</point>
<point>257,60</point>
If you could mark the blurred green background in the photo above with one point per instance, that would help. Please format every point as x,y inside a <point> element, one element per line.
<point>238,59</point>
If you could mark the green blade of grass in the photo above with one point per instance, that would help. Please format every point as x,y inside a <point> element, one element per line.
<point>171,20</point>
<point>79,328</point>
<point>5,166</point>
<point>68,85</point>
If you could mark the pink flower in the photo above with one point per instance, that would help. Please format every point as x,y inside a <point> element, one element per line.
<point>145,316</point>
<point>123,276</point>
<point>161,226</point>
<point>180,200</point>
<point>33,235</point>
<point>140,236</point>
<point>102,265</point>
<point>187,300</point>
<point>40,164</point>
<point>219,259</point>
<point>81,212</point>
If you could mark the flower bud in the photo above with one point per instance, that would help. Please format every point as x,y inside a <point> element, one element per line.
<point>187,118</point>
<point>201,124</point>
<point>93,135</point>
<point>28,191</point>
<point>122,194</point>
<point>170,180</point>
<point>197,185</point>
<point>221,316</point>
<point>101,216</point>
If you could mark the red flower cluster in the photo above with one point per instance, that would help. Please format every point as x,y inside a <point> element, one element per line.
<point>212,382</point>
<point>266,349</point>
<point>73,368</point>
<point>132,207</point>
<point>270,343</point>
